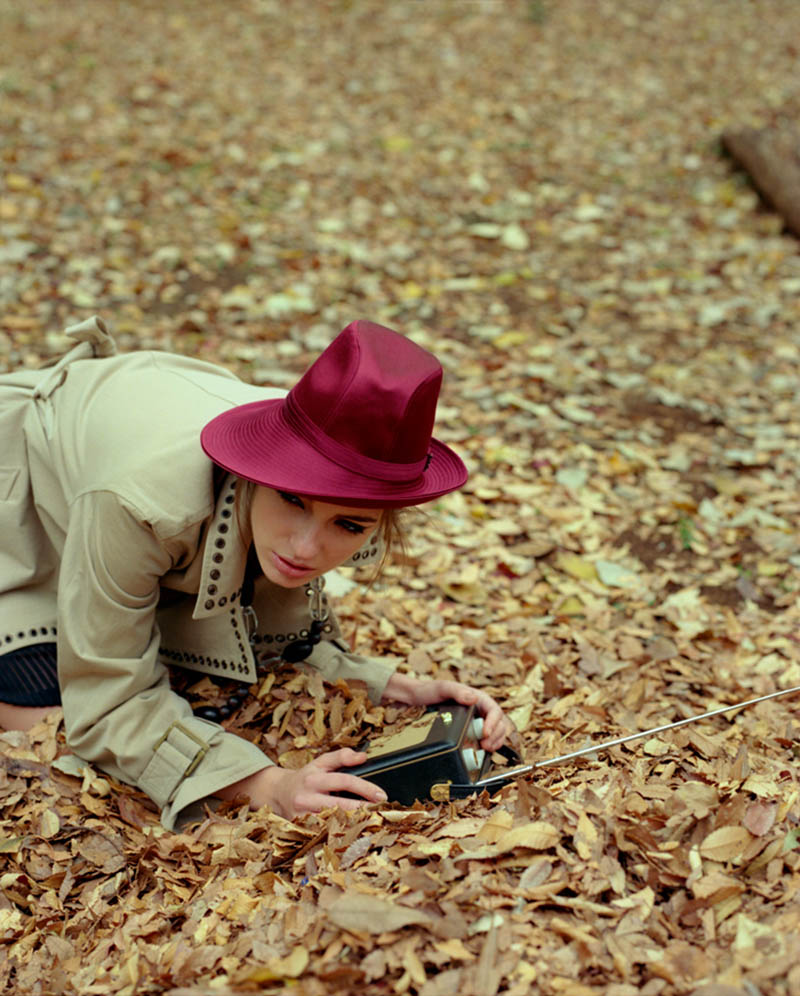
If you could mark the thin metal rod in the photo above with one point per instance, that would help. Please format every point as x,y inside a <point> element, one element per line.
<point>594,748</point>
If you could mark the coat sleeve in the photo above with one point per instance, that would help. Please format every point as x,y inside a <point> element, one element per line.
<point>119,710</point>
<point>335,661</point>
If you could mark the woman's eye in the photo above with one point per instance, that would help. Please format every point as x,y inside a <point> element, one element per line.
<point>290,499</point>
<point>351,527</point>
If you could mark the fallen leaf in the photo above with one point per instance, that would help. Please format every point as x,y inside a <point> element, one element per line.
<point>535,836</point>
<point>760,817</point>
<point>726,843</point>
<point>576,566</point>
<point>372,914</point>
<point>102,851</point>
<point>292,966</point>
<point>50,823</point>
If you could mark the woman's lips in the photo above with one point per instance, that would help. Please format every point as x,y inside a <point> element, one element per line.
<point>289,568</point>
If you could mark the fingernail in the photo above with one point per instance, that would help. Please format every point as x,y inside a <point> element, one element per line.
<point>381,797</point>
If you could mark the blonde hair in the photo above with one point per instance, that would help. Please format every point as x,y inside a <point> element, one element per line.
<point>243,498</point>
<point>392,534</point>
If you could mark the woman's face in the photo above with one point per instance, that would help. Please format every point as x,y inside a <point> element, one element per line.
<point>298,538</point>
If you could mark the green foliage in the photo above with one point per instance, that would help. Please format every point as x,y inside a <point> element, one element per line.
<point>537,11</point>
<point>686,532</point>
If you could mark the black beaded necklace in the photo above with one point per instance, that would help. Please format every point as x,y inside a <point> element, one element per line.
<point>298,650</point>
<point>294,652</point>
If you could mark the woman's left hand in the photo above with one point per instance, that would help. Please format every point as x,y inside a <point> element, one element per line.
<point>414,691</point>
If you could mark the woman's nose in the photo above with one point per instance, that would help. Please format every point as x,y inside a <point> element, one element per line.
<point>306,543</point>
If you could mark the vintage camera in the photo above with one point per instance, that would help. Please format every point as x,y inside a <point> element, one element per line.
<point>437,756</point>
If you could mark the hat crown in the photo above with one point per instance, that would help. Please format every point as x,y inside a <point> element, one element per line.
<point>356,428</point>
<point>374,392</point>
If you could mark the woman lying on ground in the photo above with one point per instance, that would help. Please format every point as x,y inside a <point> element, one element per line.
<point>156,511</point>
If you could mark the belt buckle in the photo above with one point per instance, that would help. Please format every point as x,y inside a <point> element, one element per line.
<point>203,746</point>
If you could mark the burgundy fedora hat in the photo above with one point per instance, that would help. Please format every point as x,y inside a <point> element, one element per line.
<point>355,429</point>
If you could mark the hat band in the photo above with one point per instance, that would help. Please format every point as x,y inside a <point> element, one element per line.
<point>349,459</point>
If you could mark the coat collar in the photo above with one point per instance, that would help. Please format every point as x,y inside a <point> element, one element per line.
<point>224,557</point>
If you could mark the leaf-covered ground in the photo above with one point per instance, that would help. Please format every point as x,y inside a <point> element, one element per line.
<point>536,191</point>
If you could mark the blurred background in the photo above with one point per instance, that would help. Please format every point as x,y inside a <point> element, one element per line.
<point>211,176</point>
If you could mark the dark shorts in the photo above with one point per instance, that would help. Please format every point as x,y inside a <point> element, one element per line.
<point>28,677</point>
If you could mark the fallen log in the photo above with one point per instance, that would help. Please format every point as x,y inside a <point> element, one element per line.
<point>771,157</point>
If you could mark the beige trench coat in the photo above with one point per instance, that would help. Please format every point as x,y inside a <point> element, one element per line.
<point>119,539</point>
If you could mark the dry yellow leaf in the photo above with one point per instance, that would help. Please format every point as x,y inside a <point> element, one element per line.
<point>763,786</point>
<point>726,906</point>
<point>585,837</point>
<point>372,914</point>
<point>290,967</point>
<point>237,906</point>
<point>454,948</point>
<point>499,822</point>
<point>406,815</point>
<point>561,984</point>
<point>576,566</point>
<point>617,464</point>
<point>295,759</point>
<point>507,339</point>
<point>414,967</point>
<point>18,181</point>
<point>10,922</point>
<point>749,932</point>
<point>715,882</point>
<point>411,290</point>
<point>655,747</point>
<point>293,965</point>
<point>525,972</point>
<point>465,586</point>
<point>571,606</point>
<point>643,901</point>
<point>536,836</point>
<point>699,798</point>
<point>769,568</point>
<point>433,848</point>
<point>465,827</point>
<point>50,824</point>
<point>725,843</point>
<point>521,716</point>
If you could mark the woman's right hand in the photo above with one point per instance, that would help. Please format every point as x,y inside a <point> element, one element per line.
<point>308,789</point>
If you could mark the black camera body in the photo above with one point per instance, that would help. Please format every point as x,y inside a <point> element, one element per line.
<point>436,757</point>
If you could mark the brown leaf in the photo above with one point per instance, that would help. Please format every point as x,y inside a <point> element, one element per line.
<point>290,967</point>
<point>102,851</point>
<point>372,914</point>
<point>760,817</point>
<point>725,843</point>
<point>134,813</point>
<point>486,976</point>
<point>50,824</point>
<point>535,836</point>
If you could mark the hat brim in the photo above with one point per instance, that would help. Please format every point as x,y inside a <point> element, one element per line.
<point>256,442</point>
